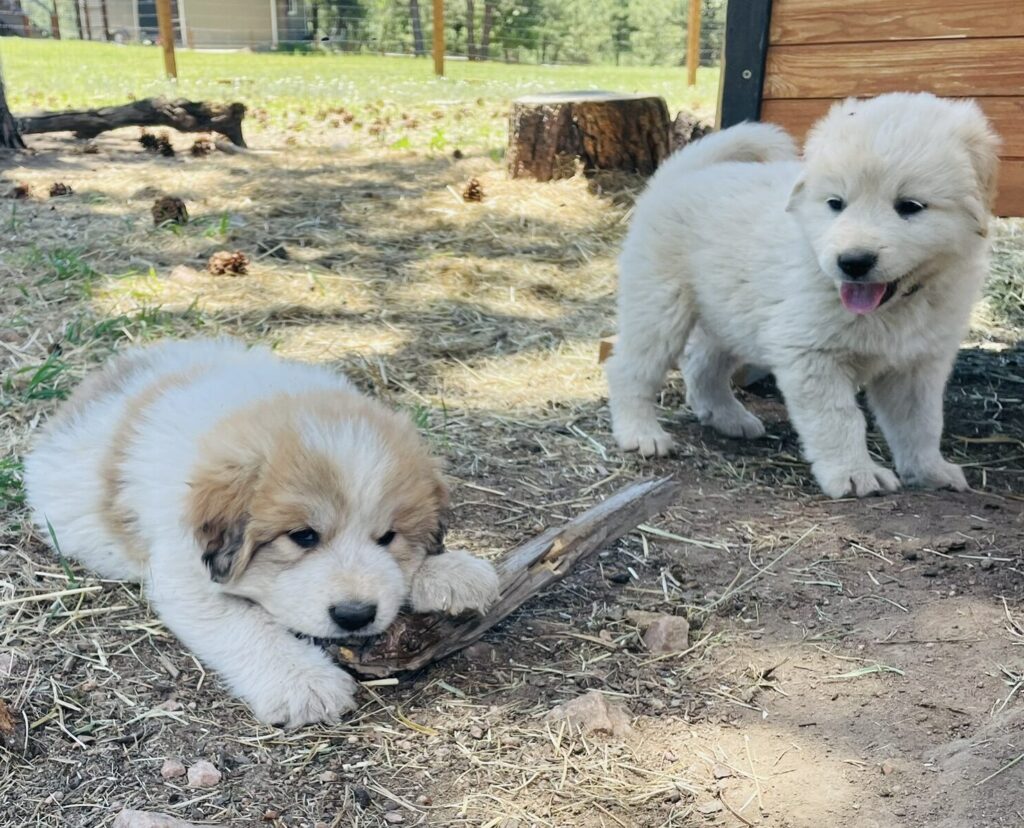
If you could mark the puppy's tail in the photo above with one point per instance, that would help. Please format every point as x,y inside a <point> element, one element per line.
<point>746,142</point>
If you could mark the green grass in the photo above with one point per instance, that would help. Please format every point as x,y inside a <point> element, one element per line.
<point>292,88</point>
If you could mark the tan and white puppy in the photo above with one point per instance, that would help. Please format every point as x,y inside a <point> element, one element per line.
<point>856,268</point>
<point>255,499</point>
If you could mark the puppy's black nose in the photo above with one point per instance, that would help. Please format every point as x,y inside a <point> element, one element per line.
<point>353,617</point>
<point>857,263</point>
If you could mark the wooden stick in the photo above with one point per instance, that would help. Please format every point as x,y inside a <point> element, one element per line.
<point>185,116</point>
<point>414,641</point>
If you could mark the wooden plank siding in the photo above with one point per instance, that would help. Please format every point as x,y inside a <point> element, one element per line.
<point>852,21</point>
<point>823,50</point>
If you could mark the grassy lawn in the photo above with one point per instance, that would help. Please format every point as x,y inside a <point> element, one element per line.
<point>290,90</point>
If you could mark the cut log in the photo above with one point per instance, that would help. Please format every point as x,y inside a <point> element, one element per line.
<point>547,133</point>
<point>182,115</point>
<point>413,641</point>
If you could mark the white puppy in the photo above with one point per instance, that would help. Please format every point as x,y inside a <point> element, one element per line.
<point>256,499</point>
<point>856,268</point>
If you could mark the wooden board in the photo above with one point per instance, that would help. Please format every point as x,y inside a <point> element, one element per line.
<point>967,68</point>
<point>1011,187</point>
<point>829,21</point>
<point>797,116</point>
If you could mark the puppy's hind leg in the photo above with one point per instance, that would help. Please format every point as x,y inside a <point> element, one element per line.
<point>708,369</point>
<point>652,335</point>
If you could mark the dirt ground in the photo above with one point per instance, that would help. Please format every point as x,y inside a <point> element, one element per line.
<point>852,664</point>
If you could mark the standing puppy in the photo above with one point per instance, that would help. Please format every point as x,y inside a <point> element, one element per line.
<point>256,499</point>
<point>856,268</point>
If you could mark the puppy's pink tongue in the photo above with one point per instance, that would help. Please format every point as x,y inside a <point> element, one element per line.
<point>861,297</point>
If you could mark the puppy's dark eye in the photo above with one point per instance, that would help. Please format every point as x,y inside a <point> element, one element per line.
<point>386,538</point>
<point>306,538</point>
<point>835,204</point>
<point>907,207</point>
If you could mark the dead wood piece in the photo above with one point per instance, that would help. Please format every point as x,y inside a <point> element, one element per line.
<point>413,641</point>
<point>182,115</point>
<point>605,131</point>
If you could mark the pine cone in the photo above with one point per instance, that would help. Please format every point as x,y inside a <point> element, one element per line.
<point>226,262</point>
<point>169,209</point>
<point>474,191</point>
<point>59,188</point>
<point>202,147</point>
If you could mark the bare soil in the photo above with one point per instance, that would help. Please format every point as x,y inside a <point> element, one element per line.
<point>853,664</point>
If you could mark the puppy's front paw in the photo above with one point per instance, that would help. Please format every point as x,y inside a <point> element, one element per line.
<point>307,694</point>
<point>649,440</point>
<point>860,480</point>
<point>937,474</point>
<point>454,582</point>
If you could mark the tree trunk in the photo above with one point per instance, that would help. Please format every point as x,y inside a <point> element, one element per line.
<point>419,49</point>
<point>78,19</point>
<point>9,137</point>
<point>88,21</point>
<point>182,115</point>
<point>106,20</point>
<point>485,34</point>
<point>547,133</point>
<point>470,31</point>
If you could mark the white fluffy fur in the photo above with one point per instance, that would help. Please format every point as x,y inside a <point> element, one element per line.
<point>740,260</point>
<point>244,627</point>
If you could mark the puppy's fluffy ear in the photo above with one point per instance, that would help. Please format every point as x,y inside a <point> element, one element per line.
<point>795,194</point>
<point>219,515</point>
<point>982,145</point>
<point>435,544</point>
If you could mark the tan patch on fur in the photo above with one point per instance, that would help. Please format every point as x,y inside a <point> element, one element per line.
<point>103,382</point>
<point>261,480</point>
<point>118,518</point>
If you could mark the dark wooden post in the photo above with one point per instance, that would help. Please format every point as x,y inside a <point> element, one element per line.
<point>746,47</point>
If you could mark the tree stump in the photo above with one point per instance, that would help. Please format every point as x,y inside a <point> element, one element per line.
<point>606,131</point>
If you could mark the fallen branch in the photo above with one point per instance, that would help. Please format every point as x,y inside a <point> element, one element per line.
<point>413,641</point>
<point>182,115</point>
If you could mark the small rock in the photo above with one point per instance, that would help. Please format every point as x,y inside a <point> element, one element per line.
<point>361,796</point>
<point>479,653</point>
<point>592,713</point>
<point>394,818</point>
<point>271,814</point>
<point>172,769</point>
<point>203,775</point>
<point>721,772</point>
<point>328,776</point>
<point>668,634</point>
<point>888,768</point>
<point>709,808</point>
<point>144,819</point>
<point>642,618</point>
<point>423,799</point>
<point>476,732</point>
<point>985,564</point>
<point>183,274</point>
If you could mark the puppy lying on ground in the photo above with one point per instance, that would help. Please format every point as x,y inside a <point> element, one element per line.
<point>856,268</point>
<point>255,499</point>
